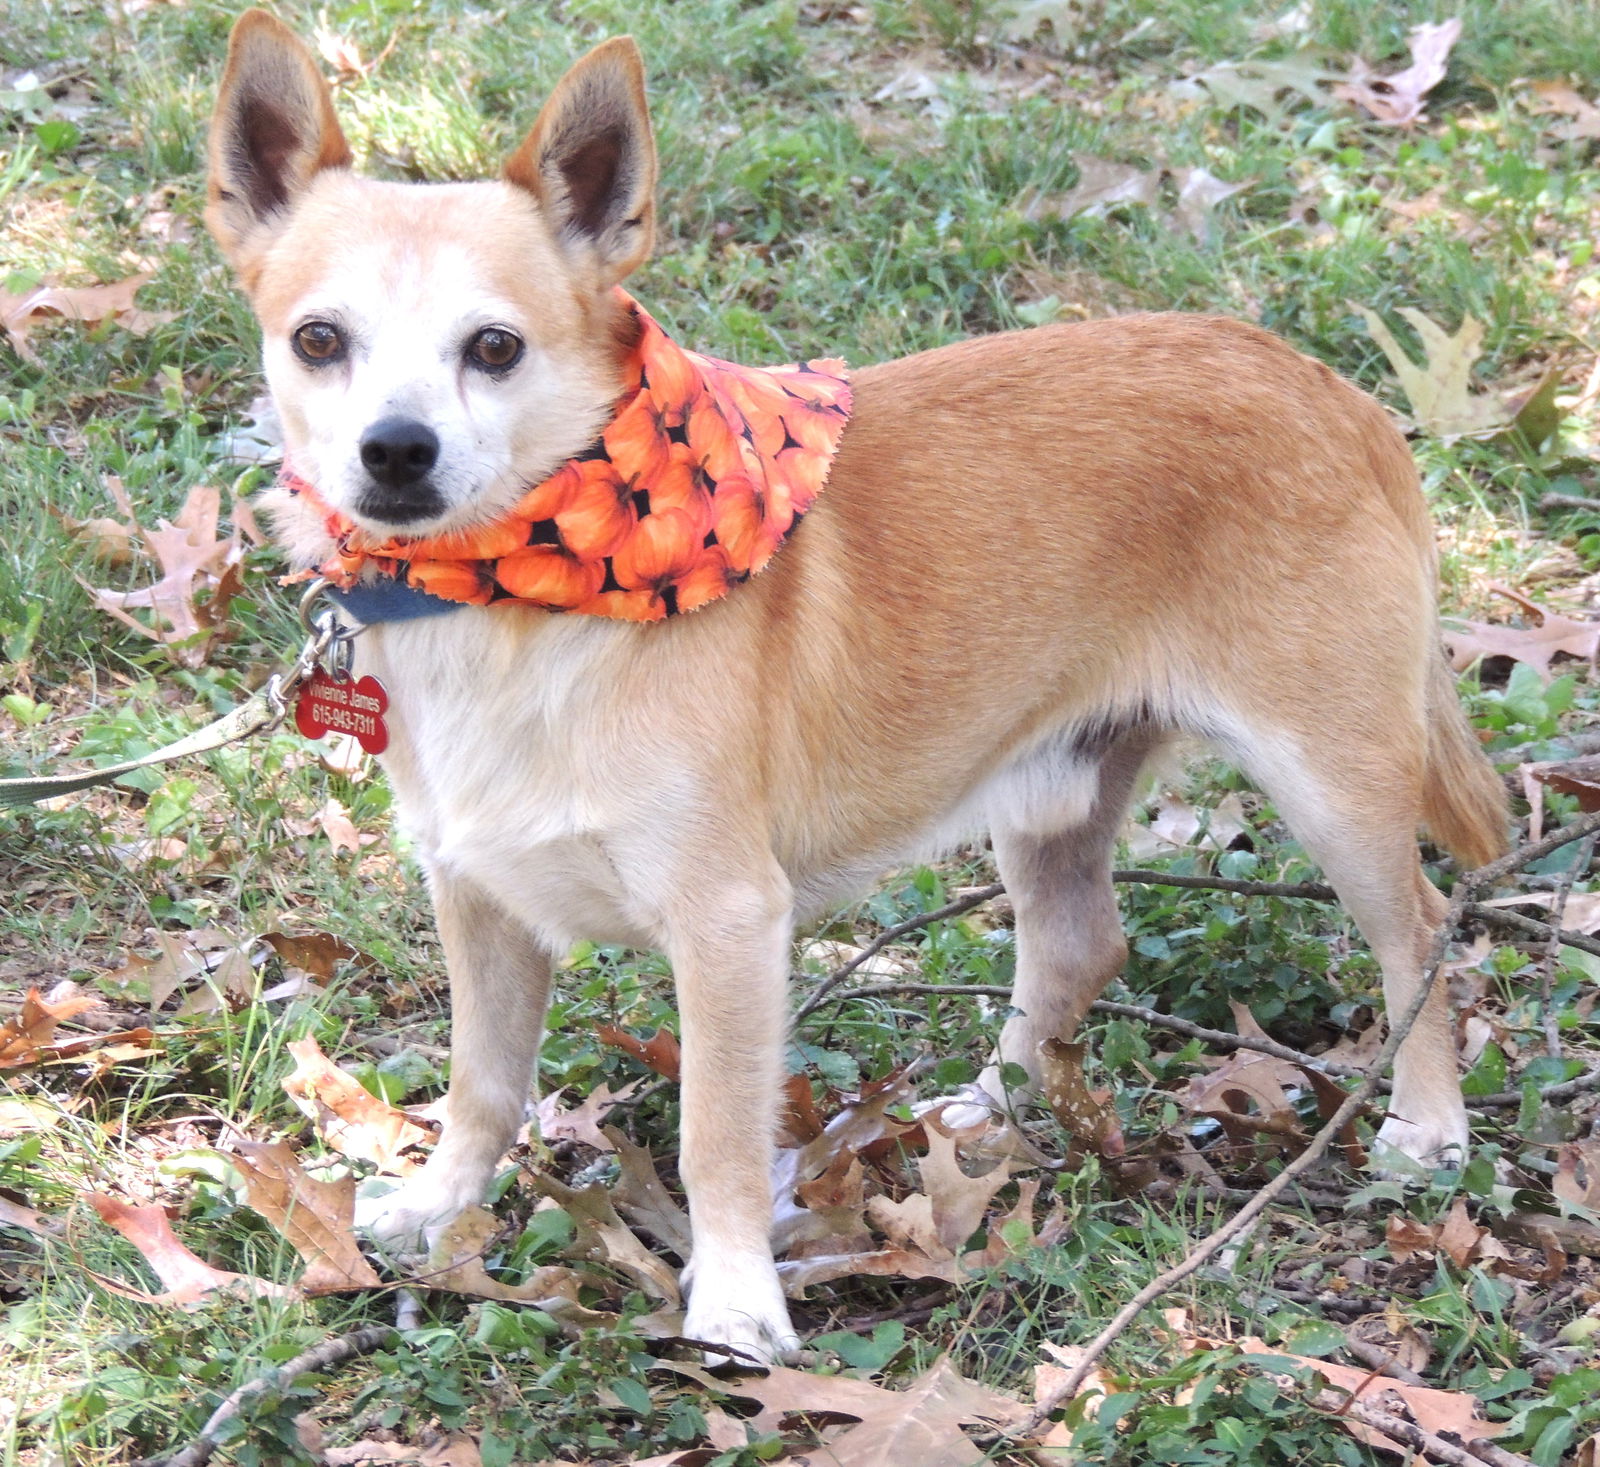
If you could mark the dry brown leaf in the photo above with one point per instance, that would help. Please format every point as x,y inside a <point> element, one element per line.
<point>1407,1237</point>
<point>1086,1115</point>
<point>1177,825</point>
<point>603,1237</point>
<point>188,1279</point>
<point>449,1449</point>
<point>341,829</point>
<point>1199,193</point>
<point>921,1424</point>
<point>1396,99</point>
<point>583,1122</point>
<point>15,1215</point>
<point>1577,1176</point>
<point>317,953</point>
<point>199,574</point>
<point>659,1052</point>
<point>640,1194</point>
<point>1248,1075</point>
<point>1468,641</point>
<point>315,1216</point>
<point>1460,1239</point>
<point>1101,185</point>
<point>26,1035</point>
<point>1555,97</point>
<point>91,304</point>
<point>348,1116</point>
<point>456,1266</point>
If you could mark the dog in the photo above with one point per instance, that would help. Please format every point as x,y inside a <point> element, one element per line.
<point>1036,558</point>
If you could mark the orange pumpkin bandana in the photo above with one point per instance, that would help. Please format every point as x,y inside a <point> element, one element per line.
<point>701,475</point>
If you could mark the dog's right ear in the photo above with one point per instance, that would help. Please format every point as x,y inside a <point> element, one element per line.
<point>273,130</point>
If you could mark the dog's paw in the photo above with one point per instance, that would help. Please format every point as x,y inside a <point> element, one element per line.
<point>741,1306</point>
<point>1407,1148</point>
<point>971,1105</point>
<point>407,1222</point>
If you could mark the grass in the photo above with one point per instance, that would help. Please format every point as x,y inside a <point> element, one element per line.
<point>857,179</point>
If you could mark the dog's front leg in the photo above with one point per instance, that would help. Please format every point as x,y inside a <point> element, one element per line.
<point>499,988</point>
<point>730,964</point>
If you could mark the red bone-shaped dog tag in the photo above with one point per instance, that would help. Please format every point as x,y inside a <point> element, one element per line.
<point>336,705</point>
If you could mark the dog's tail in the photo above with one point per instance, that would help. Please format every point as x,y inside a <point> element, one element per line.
<point>1464,803</point>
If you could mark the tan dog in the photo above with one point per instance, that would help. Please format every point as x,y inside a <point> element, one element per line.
<point>1038,557</point>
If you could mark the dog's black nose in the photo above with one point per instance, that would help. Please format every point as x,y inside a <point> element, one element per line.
<point>399,452</point>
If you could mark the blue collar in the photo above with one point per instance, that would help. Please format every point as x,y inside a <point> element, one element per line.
<point>388,599</point>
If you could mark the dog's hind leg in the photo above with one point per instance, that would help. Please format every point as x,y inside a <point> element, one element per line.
<point>728,942</point>
<point>499,988</point>
<point>1056,864</point>
<point>1350,791</point>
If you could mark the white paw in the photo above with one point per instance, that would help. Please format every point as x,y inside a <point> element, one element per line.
<point>742,1306</point>
<point>1416,1141</point>
<point>408,1221</point>
<point>971,1105</point>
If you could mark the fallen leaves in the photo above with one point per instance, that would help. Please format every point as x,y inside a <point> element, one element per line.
<point>1439,389</point>
<point>1552,635</point>
<point>1104,185</point>
<point>92,305</point>
<point>315,1216</point>
<point>1559,99</point>
<point>189,1279</point>
<point>1397,99</point>
<point>198,575</point>
<point>921,1424</point>
<point>348,1116</point>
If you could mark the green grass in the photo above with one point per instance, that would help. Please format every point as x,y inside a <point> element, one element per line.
<point>809,203</point>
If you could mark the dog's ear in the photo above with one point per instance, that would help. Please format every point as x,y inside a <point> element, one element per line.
<point>590,160</point>
<point>273,130</point>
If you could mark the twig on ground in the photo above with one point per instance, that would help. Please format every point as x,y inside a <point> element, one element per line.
<point>1434,1448</point>
<point>1381,1360</point>
<point>889,934</point>
<point>1310,890</point>
<point>1552,948</point>
<point>1568,501</point>
<point>329,1352</point>
<point>1220,1038</point>
<point>1400,1026</point>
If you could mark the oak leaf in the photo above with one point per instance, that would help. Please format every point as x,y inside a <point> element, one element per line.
<point>1560,99</point>
<point>1439,390</point>
<point>91,304</point>
<point>660,1052</point>
<point>27,1034</point>
<point>315,1216</point>
<point>348,1116</point>
<point>455,1265</point>
<point>189,1279</point>
<point>1397,99</point>
<point>1469,641</point>
<point>921,1424</point>
<point>199,575</point>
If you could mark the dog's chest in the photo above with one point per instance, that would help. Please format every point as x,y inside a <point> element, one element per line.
<point>498,757</point>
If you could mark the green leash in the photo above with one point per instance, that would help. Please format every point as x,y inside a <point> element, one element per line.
<point>262,712</point>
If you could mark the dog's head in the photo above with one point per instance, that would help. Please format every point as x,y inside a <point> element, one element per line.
<point>433,349</point>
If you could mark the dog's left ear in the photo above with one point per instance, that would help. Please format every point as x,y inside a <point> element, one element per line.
<point>590,160</point>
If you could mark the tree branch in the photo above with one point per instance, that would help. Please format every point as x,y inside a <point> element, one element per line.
<point>329,1352</point>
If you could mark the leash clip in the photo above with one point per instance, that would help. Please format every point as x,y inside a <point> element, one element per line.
<point>326,638</point>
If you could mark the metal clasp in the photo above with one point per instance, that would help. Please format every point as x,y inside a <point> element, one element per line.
<point>328,643</point>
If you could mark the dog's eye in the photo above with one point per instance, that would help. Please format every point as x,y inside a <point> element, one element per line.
<point>494,349</point>
<point>317,341</point>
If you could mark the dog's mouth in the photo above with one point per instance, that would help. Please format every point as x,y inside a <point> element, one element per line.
<point>400,509</point>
